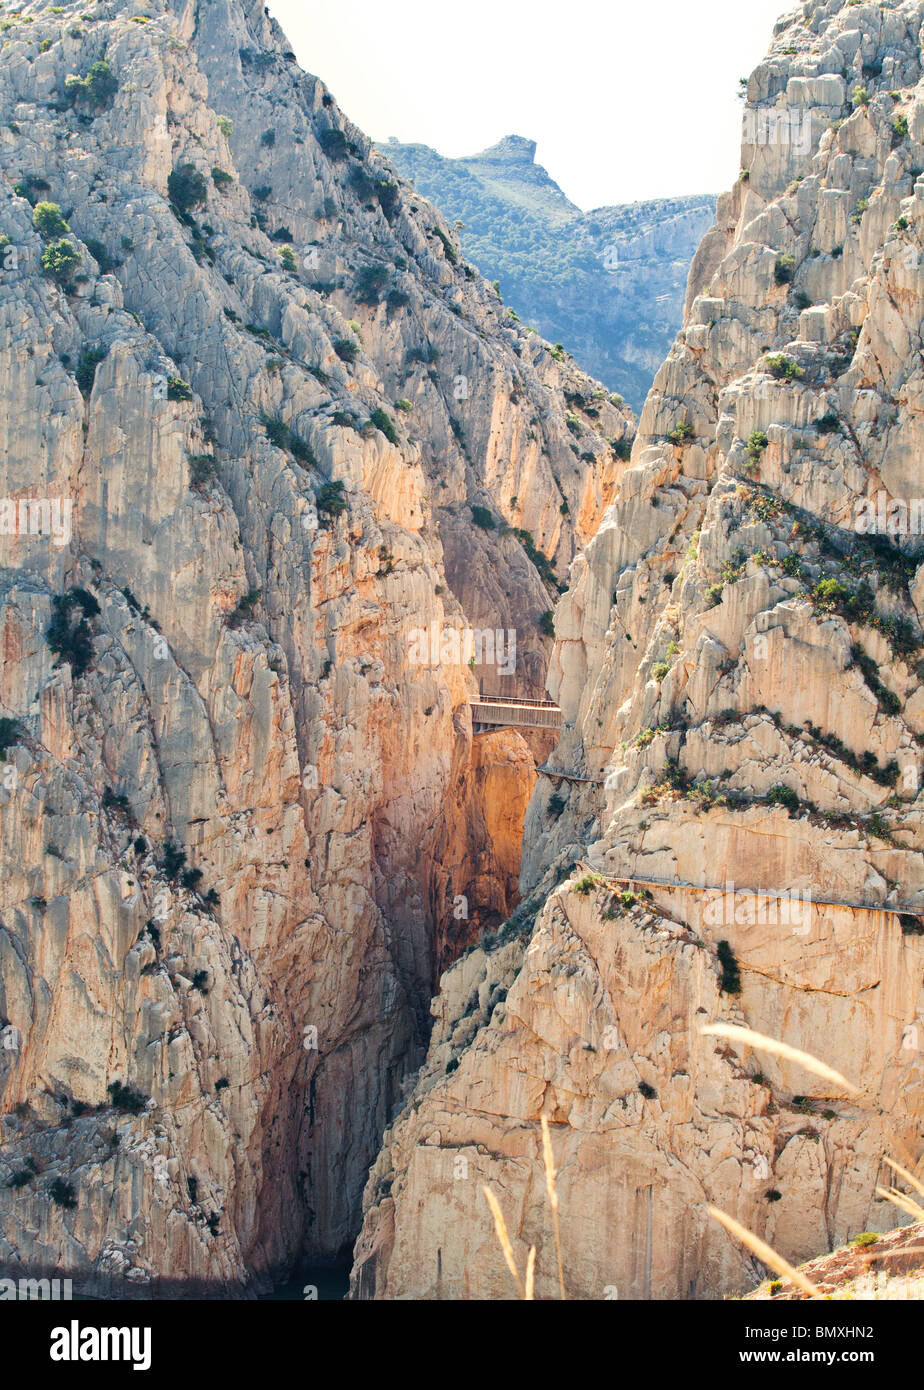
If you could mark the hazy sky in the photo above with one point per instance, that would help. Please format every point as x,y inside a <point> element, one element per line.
<point>627,99</point>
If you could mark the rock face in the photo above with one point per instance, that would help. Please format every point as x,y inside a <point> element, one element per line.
<point>608,284</point>
<point>266,395</point>
<point>738,666</point>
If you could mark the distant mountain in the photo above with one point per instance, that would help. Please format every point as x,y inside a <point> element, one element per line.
<point>608,284</point>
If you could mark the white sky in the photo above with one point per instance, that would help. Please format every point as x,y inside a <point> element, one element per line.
<point>628,99</point>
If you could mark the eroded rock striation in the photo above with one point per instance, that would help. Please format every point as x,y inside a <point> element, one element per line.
<point>738,662</point>
<point>286,428</point>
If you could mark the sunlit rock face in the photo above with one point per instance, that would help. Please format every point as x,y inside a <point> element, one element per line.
<point>271,395</point>
<point>738,667</point>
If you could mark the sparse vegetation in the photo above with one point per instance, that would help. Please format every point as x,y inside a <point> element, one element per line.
<point>186,187</point>
<point>730,982</point>
<point>757,443</point>
<point>382,422</point>
<point>69,634</point>
<point>95,90</point>
<point>783,368</point>
<point>62,1194</point>
<point>347,349</point>
<point>90,359</point>
<point>48,221</point>
<point>784,272</point>
<point>10,733</point>
<point>331,499</point>
<point>60,259</point>
<point>178,389</point>
<point>127,1098</point>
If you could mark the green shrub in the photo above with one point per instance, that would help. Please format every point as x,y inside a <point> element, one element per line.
<point>225,125</point>
<point>859,96</point>
<point>10,733</point>
<point>94,90</point>
<point>60,259</point>
<point>449,251</point>
<point>828,424</point>
<point>781,795</point>
<point>681,434</point>
<point>178,389</point>
<point>382,422</point>
<point>244,611</point>
<point>346,349</point>
<point>547,624</point>
<point>90,359</point>
<point>781,367</point>
<point>404,405</point>
<point>202,469</point>
<point>784,272</point>
<point>330,500</point>
<point>370,282</point>
<point>334,144</point>
<point>483,518</point>
<point>173,861</point>
<point>126,1098</point>
<point>730,982</point>
<point>186,187</point>
<point>284,438</point>
<point>287,259</point>
<point>659,670</point>
<point>587,885</point>
<point>100,253</point>
<point>69,635</point>
<point>29,186</point>
<point>221,178</point>
<point>647,1091</point>
<point>757,443</point>
<point>48,221</point>
<point>389,197</point>
<point>62,1194</point>
<point>622,449</point>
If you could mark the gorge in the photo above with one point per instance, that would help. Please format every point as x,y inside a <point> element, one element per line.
<point>297,950</point>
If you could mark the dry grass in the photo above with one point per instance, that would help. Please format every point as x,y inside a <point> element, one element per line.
<point>764,1252</point>
<point>761,1043</point>
<point>526,1286</point>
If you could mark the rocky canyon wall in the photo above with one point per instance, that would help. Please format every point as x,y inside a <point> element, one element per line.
<point>738,663</point>
<point>289,428</point>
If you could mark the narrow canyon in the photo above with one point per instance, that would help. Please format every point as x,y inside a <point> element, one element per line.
<point>302,937</point>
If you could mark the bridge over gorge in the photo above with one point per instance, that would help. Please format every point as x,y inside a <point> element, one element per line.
<point>504,712</point>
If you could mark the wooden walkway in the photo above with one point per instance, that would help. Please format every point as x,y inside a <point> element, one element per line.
<point>555,776</point>
<point>499,712</point>
<point>733,889</point>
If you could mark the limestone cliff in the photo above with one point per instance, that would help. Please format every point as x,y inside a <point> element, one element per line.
<point>285,428</point>
<point>738,663</point>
